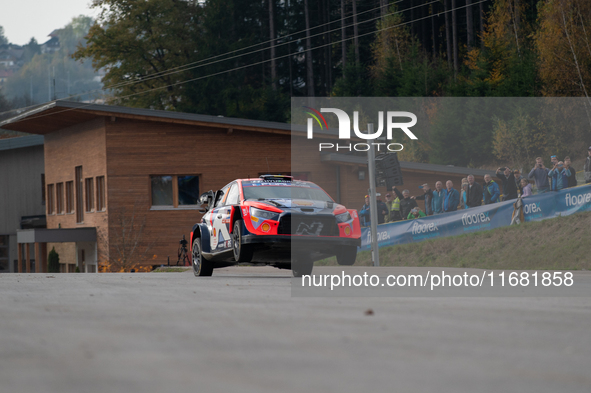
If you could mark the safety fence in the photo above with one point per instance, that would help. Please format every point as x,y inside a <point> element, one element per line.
<point>535,208</point>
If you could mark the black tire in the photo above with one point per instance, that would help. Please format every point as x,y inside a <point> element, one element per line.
<point>302,266</point>
<point>201,266</point>
<point>346,255</point>
<point>242,252</point>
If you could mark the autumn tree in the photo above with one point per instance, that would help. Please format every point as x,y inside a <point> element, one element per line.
<point>506,63</point>
<point>392,43</point>
<point>518,141</point>
<point>563,42</point>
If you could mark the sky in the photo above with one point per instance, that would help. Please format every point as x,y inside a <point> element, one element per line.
<point>23,19</point>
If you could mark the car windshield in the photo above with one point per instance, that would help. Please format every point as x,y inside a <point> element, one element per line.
<point>283,191</point>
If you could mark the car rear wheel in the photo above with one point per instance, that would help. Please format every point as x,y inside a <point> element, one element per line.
<point>242,252</point>
<point>201,266</point>
<point>346,255</point>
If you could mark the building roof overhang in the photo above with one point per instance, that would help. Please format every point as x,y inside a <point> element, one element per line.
<point>57,115</point>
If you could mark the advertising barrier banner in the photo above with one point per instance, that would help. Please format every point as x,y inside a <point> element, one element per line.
<point>536,207</point>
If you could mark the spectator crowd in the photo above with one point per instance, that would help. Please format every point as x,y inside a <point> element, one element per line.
<point>402,206</point>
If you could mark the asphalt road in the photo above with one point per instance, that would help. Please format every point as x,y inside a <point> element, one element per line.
<point>242,331</point>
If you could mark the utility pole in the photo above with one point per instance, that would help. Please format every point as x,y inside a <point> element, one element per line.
<point>373,208</point>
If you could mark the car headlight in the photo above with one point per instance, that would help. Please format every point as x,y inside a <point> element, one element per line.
<point>264,214</point>
<point>343,217</point>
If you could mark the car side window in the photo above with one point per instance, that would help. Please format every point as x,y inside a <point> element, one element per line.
<point>220,196</point>
<point>233,195</point>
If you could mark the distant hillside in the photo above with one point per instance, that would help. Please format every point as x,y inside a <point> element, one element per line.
<point>559,243</point>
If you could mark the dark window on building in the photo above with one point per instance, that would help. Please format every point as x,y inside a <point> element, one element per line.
<point>89,194</point>
<point>100,193</point>
<point>79,200</point>
<point>69,197</point>
<point>4,263</point>
<point>188,187</point>
<point>59,197</point>
<point>174,190</point>
<point>162,190</point>
<point>50,198</point>
<point>43,188</point>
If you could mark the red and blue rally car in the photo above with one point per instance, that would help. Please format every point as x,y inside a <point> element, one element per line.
<point>273,220</point>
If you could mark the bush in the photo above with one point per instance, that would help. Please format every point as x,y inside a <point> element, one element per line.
<point>53,262</point>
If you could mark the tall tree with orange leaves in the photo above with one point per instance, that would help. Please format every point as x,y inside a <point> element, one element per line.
<point>563,42</point>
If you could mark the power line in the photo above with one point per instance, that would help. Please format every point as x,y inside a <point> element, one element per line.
<point>266,61</point>
<point>190,66</point>
<point>193,65</point>
<point>290,35</point>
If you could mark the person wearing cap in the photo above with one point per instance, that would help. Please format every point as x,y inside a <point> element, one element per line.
<point>364,214</point>
<point>559,175</point>
<point>518,177</point>
<point>539,174</point>
<point>393,207</point>
<point>509,186</point>
<point>464,193</point>
<point>587,167</point>
<point>406,202</point>
<point>427,197</point>
<point>491,191</point>
<point>572,179</point>
<point>415,212</point>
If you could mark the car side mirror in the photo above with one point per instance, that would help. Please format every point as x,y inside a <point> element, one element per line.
<point>205,201</point>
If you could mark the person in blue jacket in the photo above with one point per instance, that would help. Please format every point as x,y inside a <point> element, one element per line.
<point>491,191</point>
<point>559,176</point>
<point>437,198</point>
<point>364,213</point>
<point>451,197</point>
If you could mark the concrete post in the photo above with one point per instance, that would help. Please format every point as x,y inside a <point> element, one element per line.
<point>373,208</point>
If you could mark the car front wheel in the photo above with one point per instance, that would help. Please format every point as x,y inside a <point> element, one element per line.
<point>302,266</point>
<point>242,252</point>
<point>201,266</point>
<point>346,255</point>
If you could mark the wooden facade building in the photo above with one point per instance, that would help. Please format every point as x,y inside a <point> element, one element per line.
<point>132,173</point>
